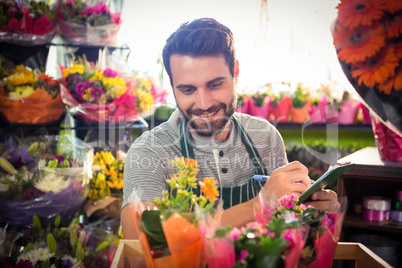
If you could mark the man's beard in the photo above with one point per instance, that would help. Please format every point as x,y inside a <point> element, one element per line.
<point>214,127</point>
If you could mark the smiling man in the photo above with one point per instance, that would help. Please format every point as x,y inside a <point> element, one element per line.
<point>231,147</point>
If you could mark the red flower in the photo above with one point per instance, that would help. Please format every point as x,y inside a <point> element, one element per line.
<point>394,26</point>
<point>376,69</point>
<point>352,13</point>
<point>393,6</point>
<point>358,44</point>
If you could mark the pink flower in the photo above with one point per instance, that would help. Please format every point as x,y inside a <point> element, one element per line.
<point>99,8</point>
<point>243,255</point>
<point>96,92</point>
<point>234,234</point>
<point>110,73</point>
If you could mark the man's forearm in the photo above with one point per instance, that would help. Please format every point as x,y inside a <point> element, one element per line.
<point>239,215</point>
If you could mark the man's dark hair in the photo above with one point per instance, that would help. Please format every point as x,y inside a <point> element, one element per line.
<point>201,37</point>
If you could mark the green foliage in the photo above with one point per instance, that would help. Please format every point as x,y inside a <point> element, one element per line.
<point>259,98</point>
<point>300,96</point>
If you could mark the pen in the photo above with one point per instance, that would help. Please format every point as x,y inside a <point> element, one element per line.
<point>260,177</point>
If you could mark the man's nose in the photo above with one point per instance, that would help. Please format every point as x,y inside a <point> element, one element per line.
<point>204,99</point>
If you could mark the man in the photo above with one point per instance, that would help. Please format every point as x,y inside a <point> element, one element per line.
<point>231,147</point>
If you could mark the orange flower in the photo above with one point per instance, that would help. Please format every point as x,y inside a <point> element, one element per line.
<point>393,5</point>
<point>358,44</point>
<point>394,82</point>
<point>352,13</point>
<point>394,28</point>
<point>191,162</point>
<point>209,189</point>
<point>376,69</point>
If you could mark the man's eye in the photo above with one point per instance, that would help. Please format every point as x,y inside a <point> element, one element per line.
<point>216,85</point>
<point>188,90</point>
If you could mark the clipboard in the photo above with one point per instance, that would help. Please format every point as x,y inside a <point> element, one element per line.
<point>327,178</point>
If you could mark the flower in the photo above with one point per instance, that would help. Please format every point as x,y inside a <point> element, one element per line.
<point>376,69</point>
<point>143,90</point>
<point>353,13</point>
<point>21,82</point>
<point>358,44</point>
<point>108,176</point>
<point>58,245</point>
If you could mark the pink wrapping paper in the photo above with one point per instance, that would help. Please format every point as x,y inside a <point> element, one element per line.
<point>366,114</point>
<point>281,111</point>
<point>389,144</point>
<point>119,110</point>
<point>348,113</point>
<point>261,112</point>
<point>245,109</point>
<point>317,113</point>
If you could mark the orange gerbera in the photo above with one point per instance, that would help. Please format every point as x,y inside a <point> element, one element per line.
<point>209,189</point>
<point>393,5</point>
<point>358,44</point>
<point>376,69</point>
<point>394,28</point>
<point>394,82</point>
<point>352,13</point>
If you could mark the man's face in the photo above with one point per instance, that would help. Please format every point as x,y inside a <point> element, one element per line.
<point>204,92</point>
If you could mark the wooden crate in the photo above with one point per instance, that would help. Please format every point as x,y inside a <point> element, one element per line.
<point>362,256</point>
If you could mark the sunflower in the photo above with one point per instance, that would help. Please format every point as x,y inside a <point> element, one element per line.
<point>393,6</point>
<point>358,44</point>
<point>376,69</point>
<point>352,13</point>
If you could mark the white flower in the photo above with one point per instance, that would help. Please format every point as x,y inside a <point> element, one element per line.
<point>52,182</point>
<point>96,168</point>
<point>68,257</point>
<point>42,254</point>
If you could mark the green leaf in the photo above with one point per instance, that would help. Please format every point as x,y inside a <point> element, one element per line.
<point>152,226</point>
<point>53,163</point>
<point>79,253</point>
<point>57,221</point>
<point>36,222</point>
<point>102,246</point>
<point>51,243</point>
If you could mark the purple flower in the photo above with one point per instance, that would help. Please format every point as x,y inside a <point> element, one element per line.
<point>24,264</point>
<point>80,88</point>
<point>243,255</point>
<point>110,73</point>
<point>96,92</point>
<point>31,194</point>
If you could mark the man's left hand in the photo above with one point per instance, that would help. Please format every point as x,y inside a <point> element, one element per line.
<point>326,200</point>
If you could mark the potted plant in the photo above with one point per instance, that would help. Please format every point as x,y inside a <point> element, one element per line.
<point>259,105</point>
<point>300,104</point>
<point>280,102</point>
<point>243,103</point>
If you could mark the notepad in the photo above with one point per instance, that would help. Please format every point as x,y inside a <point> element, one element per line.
<point>329,177</point>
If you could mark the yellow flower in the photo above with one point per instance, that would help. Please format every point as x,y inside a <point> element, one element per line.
<point>98,75</point>
<point>21,92</point>
<point>22,76</point>
<point>77,68</point>
<point>101,177</point>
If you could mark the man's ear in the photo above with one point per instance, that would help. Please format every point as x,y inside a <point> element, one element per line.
<point>236,69</point>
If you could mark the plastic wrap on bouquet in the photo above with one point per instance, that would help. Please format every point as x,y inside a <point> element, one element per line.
<point>37,108</point>
<point>322,240</point>
<point>119,110</point>
<point>55,182</point>
<point>99,23</point>
<point>28,24</point>
<point>281,110</point>
<point>389,143</point>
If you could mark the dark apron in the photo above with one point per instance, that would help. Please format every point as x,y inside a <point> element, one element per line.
<point>231,196</point>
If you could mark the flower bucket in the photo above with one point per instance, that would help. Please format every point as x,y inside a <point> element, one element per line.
<point>261,112</point>
<point>348,113</point>
<point>389,143</point>
<point>281,111</point>
<point>299,115</point>
<point>245,108</point>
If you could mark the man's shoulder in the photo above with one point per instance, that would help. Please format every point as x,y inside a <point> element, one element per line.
<point>247,121</point>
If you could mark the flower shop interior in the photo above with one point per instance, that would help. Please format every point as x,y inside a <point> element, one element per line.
<point>80,81</point>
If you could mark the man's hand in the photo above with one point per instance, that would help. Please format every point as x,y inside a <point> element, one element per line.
<point>326,200</point>
<point>291,179</point>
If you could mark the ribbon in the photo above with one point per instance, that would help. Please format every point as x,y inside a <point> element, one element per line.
<point>397,205</point>
<point>376,203</point>
<point>375,215</point>
<point>396,216</point>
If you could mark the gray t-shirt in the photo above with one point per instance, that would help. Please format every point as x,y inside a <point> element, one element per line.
<point>147,165</point>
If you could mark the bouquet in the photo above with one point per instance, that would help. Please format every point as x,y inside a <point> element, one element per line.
<point>106,186</point>
<point>89,22</point>
<point>45,176</point>
<point>323,228</point>
<point>367,38</point>
<point>162,242</point>
<point>300,104</point>
<point>56,245</point>
<point>98,95</point>
<point>258,244</point>
<point>29,96</point>
<point>146,95</point>
<point>27,22</point>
